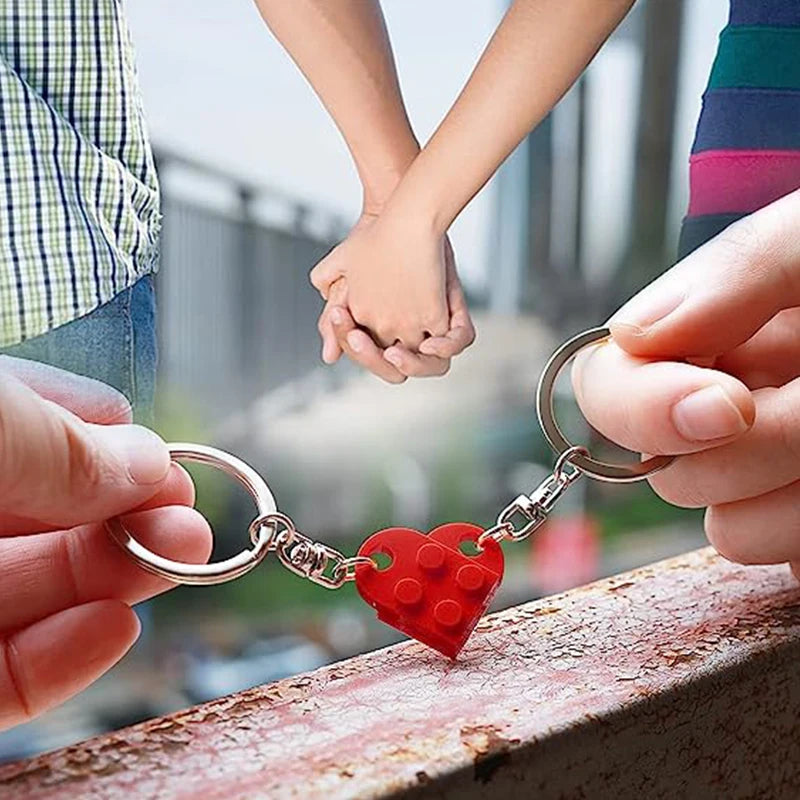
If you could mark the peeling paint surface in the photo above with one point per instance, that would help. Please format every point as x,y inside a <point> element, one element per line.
<point>681,679</point>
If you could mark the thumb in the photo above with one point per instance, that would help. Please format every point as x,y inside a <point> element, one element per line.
<point>720,295</point>
<point>59,471</point>
<point>327,272</point>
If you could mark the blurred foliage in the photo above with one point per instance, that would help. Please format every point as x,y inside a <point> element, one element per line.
<point>177,420</point>
<point>638,508</point>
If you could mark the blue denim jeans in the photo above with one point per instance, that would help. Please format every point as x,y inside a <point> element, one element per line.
<point>115,344</point>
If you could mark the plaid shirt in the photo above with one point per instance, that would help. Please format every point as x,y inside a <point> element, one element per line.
<point>79,199</point>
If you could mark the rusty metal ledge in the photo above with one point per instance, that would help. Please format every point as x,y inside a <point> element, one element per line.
<point>681,679</point>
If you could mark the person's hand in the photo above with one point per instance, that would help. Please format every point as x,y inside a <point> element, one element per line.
<point>395,364</point>
<point>395,271</point>
<point>705,362</point>
<point>66,464</point>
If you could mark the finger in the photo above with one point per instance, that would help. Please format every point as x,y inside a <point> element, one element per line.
<point>326,272</point>
<point>53,659</point>
<point>337,297</point>
<point>771,357</point>
<point>765,458</point>
<point>460,336</point>
<point>720,295</point>
<point>61,471</point>
<point>659,406</point>
<point>178,489</point>
<point>91,400</point>
<point>361,349</point>
<point>456,299</point>
<point>760,530</point>
<point>461,332</point>
<point>45,573</point>
<point>331,351</point>
<point>414,365</point>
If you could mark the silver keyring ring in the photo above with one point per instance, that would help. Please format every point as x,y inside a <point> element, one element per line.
<point>221,571</point>
<point>613,473</point>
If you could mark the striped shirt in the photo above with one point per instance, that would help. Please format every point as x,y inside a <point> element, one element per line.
<point>746,151</point>
<point>79,199</point>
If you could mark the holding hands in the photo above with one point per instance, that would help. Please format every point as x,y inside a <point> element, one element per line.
<point>394,303</point>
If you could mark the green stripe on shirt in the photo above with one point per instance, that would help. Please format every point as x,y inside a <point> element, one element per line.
<point>757,57</point>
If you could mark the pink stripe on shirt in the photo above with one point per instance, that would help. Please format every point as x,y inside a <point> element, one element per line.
<point>740,181</point>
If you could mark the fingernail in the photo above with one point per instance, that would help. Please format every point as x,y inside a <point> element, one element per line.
<point>708,414</point>
<point>428,349</point>
<point>393,357</point>
<point>337,317</point>
<point>649,307</point>
<point>354,340</point>
<point>144,454</point>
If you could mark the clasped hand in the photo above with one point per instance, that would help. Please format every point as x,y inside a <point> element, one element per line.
<point>394,303</point>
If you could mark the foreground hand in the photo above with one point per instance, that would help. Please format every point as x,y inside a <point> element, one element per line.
<point>66,462</point>
<point>396,363</point>
<point>733,309</point>
<point>395,272</point>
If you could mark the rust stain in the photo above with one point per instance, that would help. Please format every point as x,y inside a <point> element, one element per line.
<point>490,750</point>
<point>540,612</point>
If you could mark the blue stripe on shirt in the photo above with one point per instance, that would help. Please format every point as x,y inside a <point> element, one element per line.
<point>744,119</point>
<point>775,13</point>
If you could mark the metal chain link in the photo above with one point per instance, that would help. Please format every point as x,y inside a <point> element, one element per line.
<point>535,507</point>
<point>317,561</point>
<point>328,567</point>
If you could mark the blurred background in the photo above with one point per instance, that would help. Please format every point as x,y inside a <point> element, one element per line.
<point>257,186</point>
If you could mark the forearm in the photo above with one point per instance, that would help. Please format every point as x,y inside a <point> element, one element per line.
<point>536,54</point>
<point>343,49</point>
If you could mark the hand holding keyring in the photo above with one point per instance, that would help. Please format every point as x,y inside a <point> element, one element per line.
<point>705,362</point>
<point>68,460</point>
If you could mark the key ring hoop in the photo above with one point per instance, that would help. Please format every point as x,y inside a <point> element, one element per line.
<point>601,470</point>
<point>220,571</point>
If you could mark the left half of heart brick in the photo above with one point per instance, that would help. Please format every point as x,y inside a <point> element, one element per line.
<point>431,590</point>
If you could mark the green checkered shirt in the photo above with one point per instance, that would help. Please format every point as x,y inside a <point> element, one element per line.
<point>79,199</point>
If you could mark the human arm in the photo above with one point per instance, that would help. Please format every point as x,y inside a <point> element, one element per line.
<point>537,52</point>
<point>343,49</point>
<point>705,362</point>
<point>69,460</point>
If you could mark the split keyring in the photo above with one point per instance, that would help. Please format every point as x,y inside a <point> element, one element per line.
<point>601,470</point>
<point>220,571</point>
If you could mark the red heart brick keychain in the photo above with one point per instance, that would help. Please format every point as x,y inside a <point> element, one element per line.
<point>431,590</point>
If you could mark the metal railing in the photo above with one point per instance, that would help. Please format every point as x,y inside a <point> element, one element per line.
<point>674,680</point>
<point>237,315</point>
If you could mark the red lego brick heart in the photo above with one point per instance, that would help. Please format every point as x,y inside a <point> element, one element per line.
<point>431,590</point>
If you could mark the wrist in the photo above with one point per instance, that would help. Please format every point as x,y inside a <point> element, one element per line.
<point>381,176</point>
<point>418,203</point>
